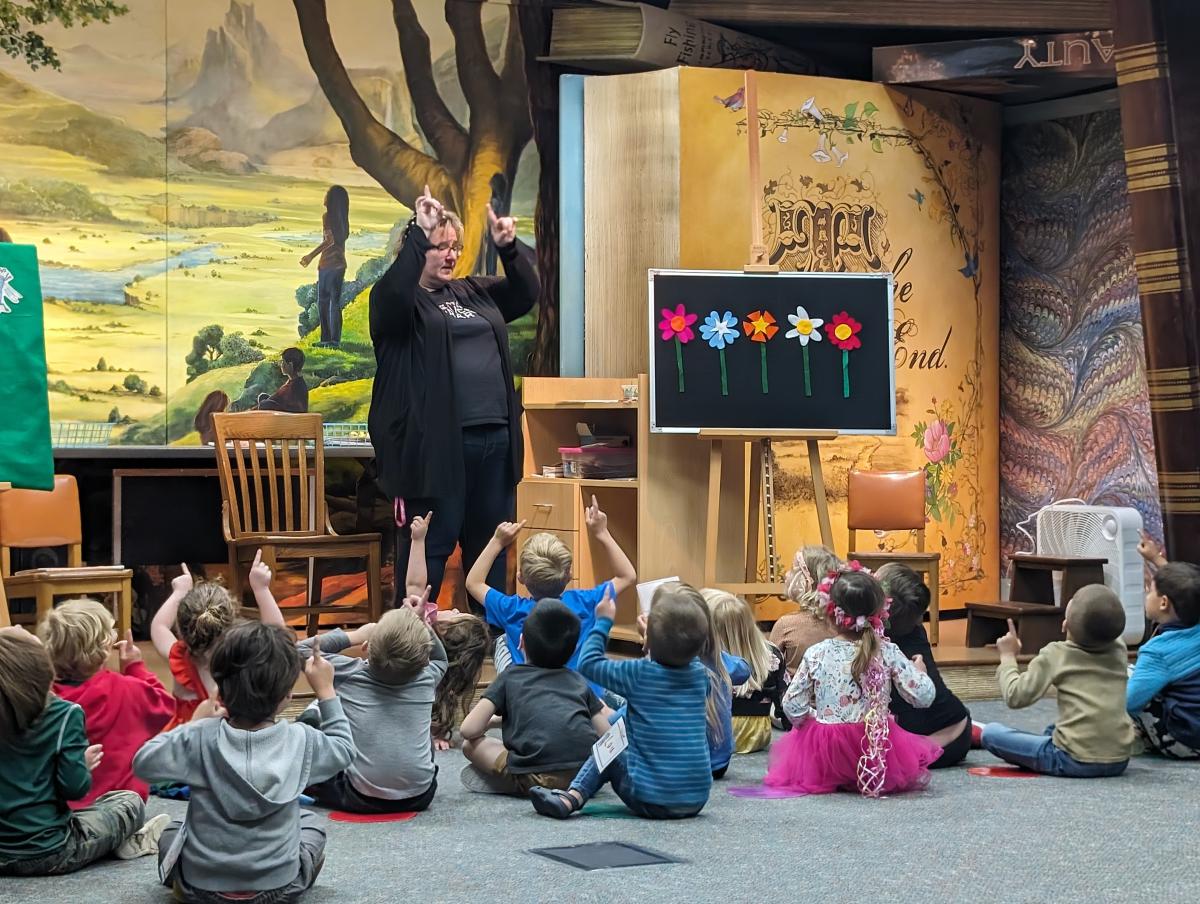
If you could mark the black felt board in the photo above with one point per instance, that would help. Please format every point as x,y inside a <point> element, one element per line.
<point>870,407</point>
<point>605,855</point>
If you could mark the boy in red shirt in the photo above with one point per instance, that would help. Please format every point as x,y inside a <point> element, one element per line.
<point>122,710</point>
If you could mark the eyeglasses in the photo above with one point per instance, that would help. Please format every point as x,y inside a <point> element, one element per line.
<point>446,246</point>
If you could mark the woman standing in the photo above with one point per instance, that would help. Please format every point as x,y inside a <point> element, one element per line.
<point>444,416</point>
<point>331,268</point>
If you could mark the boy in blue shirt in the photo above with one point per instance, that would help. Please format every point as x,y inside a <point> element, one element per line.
<point>544,567</point>
<point>1163,694</point>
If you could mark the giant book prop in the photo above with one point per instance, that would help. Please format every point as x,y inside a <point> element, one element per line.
<point>26,460</point>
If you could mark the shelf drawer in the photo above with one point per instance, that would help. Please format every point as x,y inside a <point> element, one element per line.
<point>569,537</point>
<point>547,506</point>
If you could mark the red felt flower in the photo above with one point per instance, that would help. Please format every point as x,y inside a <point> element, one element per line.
<point>843,332</point>
<point>760,326</point>
<point>677,324</point>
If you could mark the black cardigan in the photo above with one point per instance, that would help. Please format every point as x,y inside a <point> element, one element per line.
<point>413,419</point>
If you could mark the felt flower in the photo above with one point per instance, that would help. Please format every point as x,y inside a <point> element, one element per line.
<point>804,329</point>
<point>676,326</point>
<point>720,330</point>
<point>843,333</point>
<point>760,326</point>
<point>937,441</point>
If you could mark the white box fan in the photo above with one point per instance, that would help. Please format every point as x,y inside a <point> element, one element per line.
<point>1098,531</point>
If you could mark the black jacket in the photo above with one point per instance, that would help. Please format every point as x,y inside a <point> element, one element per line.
<point>413,419</point>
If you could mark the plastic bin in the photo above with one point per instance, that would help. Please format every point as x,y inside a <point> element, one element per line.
<point>599,462</point>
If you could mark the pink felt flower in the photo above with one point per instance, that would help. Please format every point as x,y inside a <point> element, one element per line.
<point>677,324</point>
<point>937,441</point>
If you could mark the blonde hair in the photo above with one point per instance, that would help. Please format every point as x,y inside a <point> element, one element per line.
<point>737,632</point>
<point>809,567</point>
<point>78,635</point>
<point>545,565</point>
<point>206,613</point>
<point>26,675</point>
<point>399,647</point>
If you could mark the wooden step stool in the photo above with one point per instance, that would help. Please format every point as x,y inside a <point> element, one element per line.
<point>1031,605</point>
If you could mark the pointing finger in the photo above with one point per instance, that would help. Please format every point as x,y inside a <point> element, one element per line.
<point>1012,629</point>
<point>492,218</point>
<point>257,559</point>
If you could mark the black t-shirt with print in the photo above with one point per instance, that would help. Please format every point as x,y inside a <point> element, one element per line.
<point>479,390</point>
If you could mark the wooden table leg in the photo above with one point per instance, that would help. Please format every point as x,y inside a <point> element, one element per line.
<point>125,605</point>
<point>713,513</point>
<point>822,503</point>
<point>44,596</point>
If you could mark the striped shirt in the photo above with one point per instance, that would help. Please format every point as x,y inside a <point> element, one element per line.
<point>668,757</point>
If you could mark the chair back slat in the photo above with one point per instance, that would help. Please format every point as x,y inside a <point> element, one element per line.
<point>272,436</point>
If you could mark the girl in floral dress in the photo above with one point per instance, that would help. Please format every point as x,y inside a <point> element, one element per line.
<point>843,736</point>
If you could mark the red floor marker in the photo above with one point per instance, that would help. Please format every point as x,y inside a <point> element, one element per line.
<point>1002,772</point>
<point>341,816</point>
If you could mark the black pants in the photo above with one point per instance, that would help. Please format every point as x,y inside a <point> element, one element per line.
<point>338,794</point>
<point>468,518</point>
<point>329,303</point>
<point>956,751</point>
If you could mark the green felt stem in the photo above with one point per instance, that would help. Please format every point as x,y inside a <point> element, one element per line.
<point>764,368</point>
<point>845,374</point>
<point>807,381</point>
<point>679,361</point>
<point>724,375</point>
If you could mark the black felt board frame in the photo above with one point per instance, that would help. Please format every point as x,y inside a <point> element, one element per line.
<point>704,404</point>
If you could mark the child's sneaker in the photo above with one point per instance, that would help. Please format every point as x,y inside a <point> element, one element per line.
<point>551,802</point>
<point>481,782</point>
<point>145,840</point>
<point>977,735</point>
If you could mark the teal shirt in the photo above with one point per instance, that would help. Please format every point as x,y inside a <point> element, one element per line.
<point>43,768</point>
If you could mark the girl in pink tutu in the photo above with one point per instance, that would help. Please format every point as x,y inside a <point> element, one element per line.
<point>843,736</point>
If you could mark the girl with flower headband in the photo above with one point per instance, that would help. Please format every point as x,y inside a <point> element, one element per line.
<point>797,631</point>
<point>843,735</point>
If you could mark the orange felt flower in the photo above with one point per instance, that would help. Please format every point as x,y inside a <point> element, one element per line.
<point>760,326</point>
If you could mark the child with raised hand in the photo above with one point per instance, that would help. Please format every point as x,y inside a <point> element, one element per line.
<point>544,567</point>
<point>48,763</point>
<point>946,721</point>
<point>388,698</point>
<point>756,696</point>
<point>1163,696</point>
<point>245,836</point>
<point>796,632</point>
<point>1093,734</point>
<point>122,710</point>
<point>201,613</point>
<point>550,717</point>
<point>666,771</point>
<point>843,736</point>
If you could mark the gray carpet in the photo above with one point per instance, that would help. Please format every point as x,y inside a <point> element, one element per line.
<point>966,838</point>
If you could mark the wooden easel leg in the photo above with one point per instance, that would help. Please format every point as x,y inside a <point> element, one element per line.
<point>819,497</point>
<point>712,527</point>
<point>754,512</point>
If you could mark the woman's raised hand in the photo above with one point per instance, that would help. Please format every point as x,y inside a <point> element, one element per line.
<point>503,229</point>
<point>428,211</point>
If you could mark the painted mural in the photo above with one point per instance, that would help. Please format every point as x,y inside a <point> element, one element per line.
<point>1074,413</point>
<point>177,172</point>
<point>862,178</point>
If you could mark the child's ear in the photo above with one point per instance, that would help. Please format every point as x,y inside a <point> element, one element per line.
<point>520,577</point>
<point>366,646</point>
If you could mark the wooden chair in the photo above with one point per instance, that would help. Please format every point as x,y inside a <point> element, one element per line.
<point>37,518</point>
<point>276,502</point>
<point>887,501</point>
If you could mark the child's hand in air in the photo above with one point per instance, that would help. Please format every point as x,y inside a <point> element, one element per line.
<point>319,673</point>
<point>1009,644</point>
<point>127,651</point>
<point>183,584</point>
<point>260,574</point>
<point>421,605</point>
<point>507,531</point>
<point>918,662</point>
<point>1149,550</point>
<point>92,757</point>
<point>419,526</point>
<point>597,520</point>
<point>642,621</point>
<point>607,607</point>
<point>210,708</point>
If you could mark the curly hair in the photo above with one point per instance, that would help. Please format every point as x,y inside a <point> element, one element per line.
<point>206,613</point>
<point>78,635</point>
<point>466,642</point>
<point>809,566</point>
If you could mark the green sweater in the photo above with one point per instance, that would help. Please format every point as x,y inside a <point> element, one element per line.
<point>1092,725</point>
<point>43,769</point>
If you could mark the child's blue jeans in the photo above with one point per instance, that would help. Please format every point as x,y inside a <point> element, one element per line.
<point>1037,753</point>
<point>590,780</point>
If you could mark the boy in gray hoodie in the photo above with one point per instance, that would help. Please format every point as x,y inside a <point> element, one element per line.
<point>245,837</point>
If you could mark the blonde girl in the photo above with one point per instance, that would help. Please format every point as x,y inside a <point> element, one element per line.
<point>795,633</point>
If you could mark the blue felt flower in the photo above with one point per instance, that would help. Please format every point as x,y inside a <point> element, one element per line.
<point>719,330</point>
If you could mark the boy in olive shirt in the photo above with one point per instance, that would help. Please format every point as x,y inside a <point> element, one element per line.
<point>1093,735</point>
<point>551,718</point>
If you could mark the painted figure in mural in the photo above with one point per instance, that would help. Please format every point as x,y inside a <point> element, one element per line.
<point>331,268</point>
<point>444,418</point>
<point>214,403</point>
<point>293,394</point>
<point>4,236</point>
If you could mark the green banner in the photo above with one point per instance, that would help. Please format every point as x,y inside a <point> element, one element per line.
<point>26,459</point>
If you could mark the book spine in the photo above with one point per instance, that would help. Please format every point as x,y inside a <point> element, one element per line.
<point>671,39</point>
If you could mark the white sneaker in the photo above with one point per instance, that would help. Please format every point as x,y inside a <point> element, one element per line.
<point>145,840</point>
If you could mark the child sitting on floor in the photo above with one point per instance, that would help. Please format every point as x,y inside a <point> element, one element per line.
<point>245,836</point>
<point>795,633</point>
<point>1163,696</point>
<point>753,698</point>
<point>388,699</point>
<point>465,638</point>
<point>550,716</point>
<point>122,710</point>
<point>545,569</point>
<point>843,735</point>
<point>946,721</point>
<point>666,771</point>
<point>724,671</point>
<point>201,613</point>
<point>1093,734</point>
<point>47,762</point>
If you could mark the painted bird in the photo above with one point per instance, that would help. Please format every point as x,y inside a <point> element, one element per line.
<point>735,101</point>
<point>972,265</point>
<point>916,195</point>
